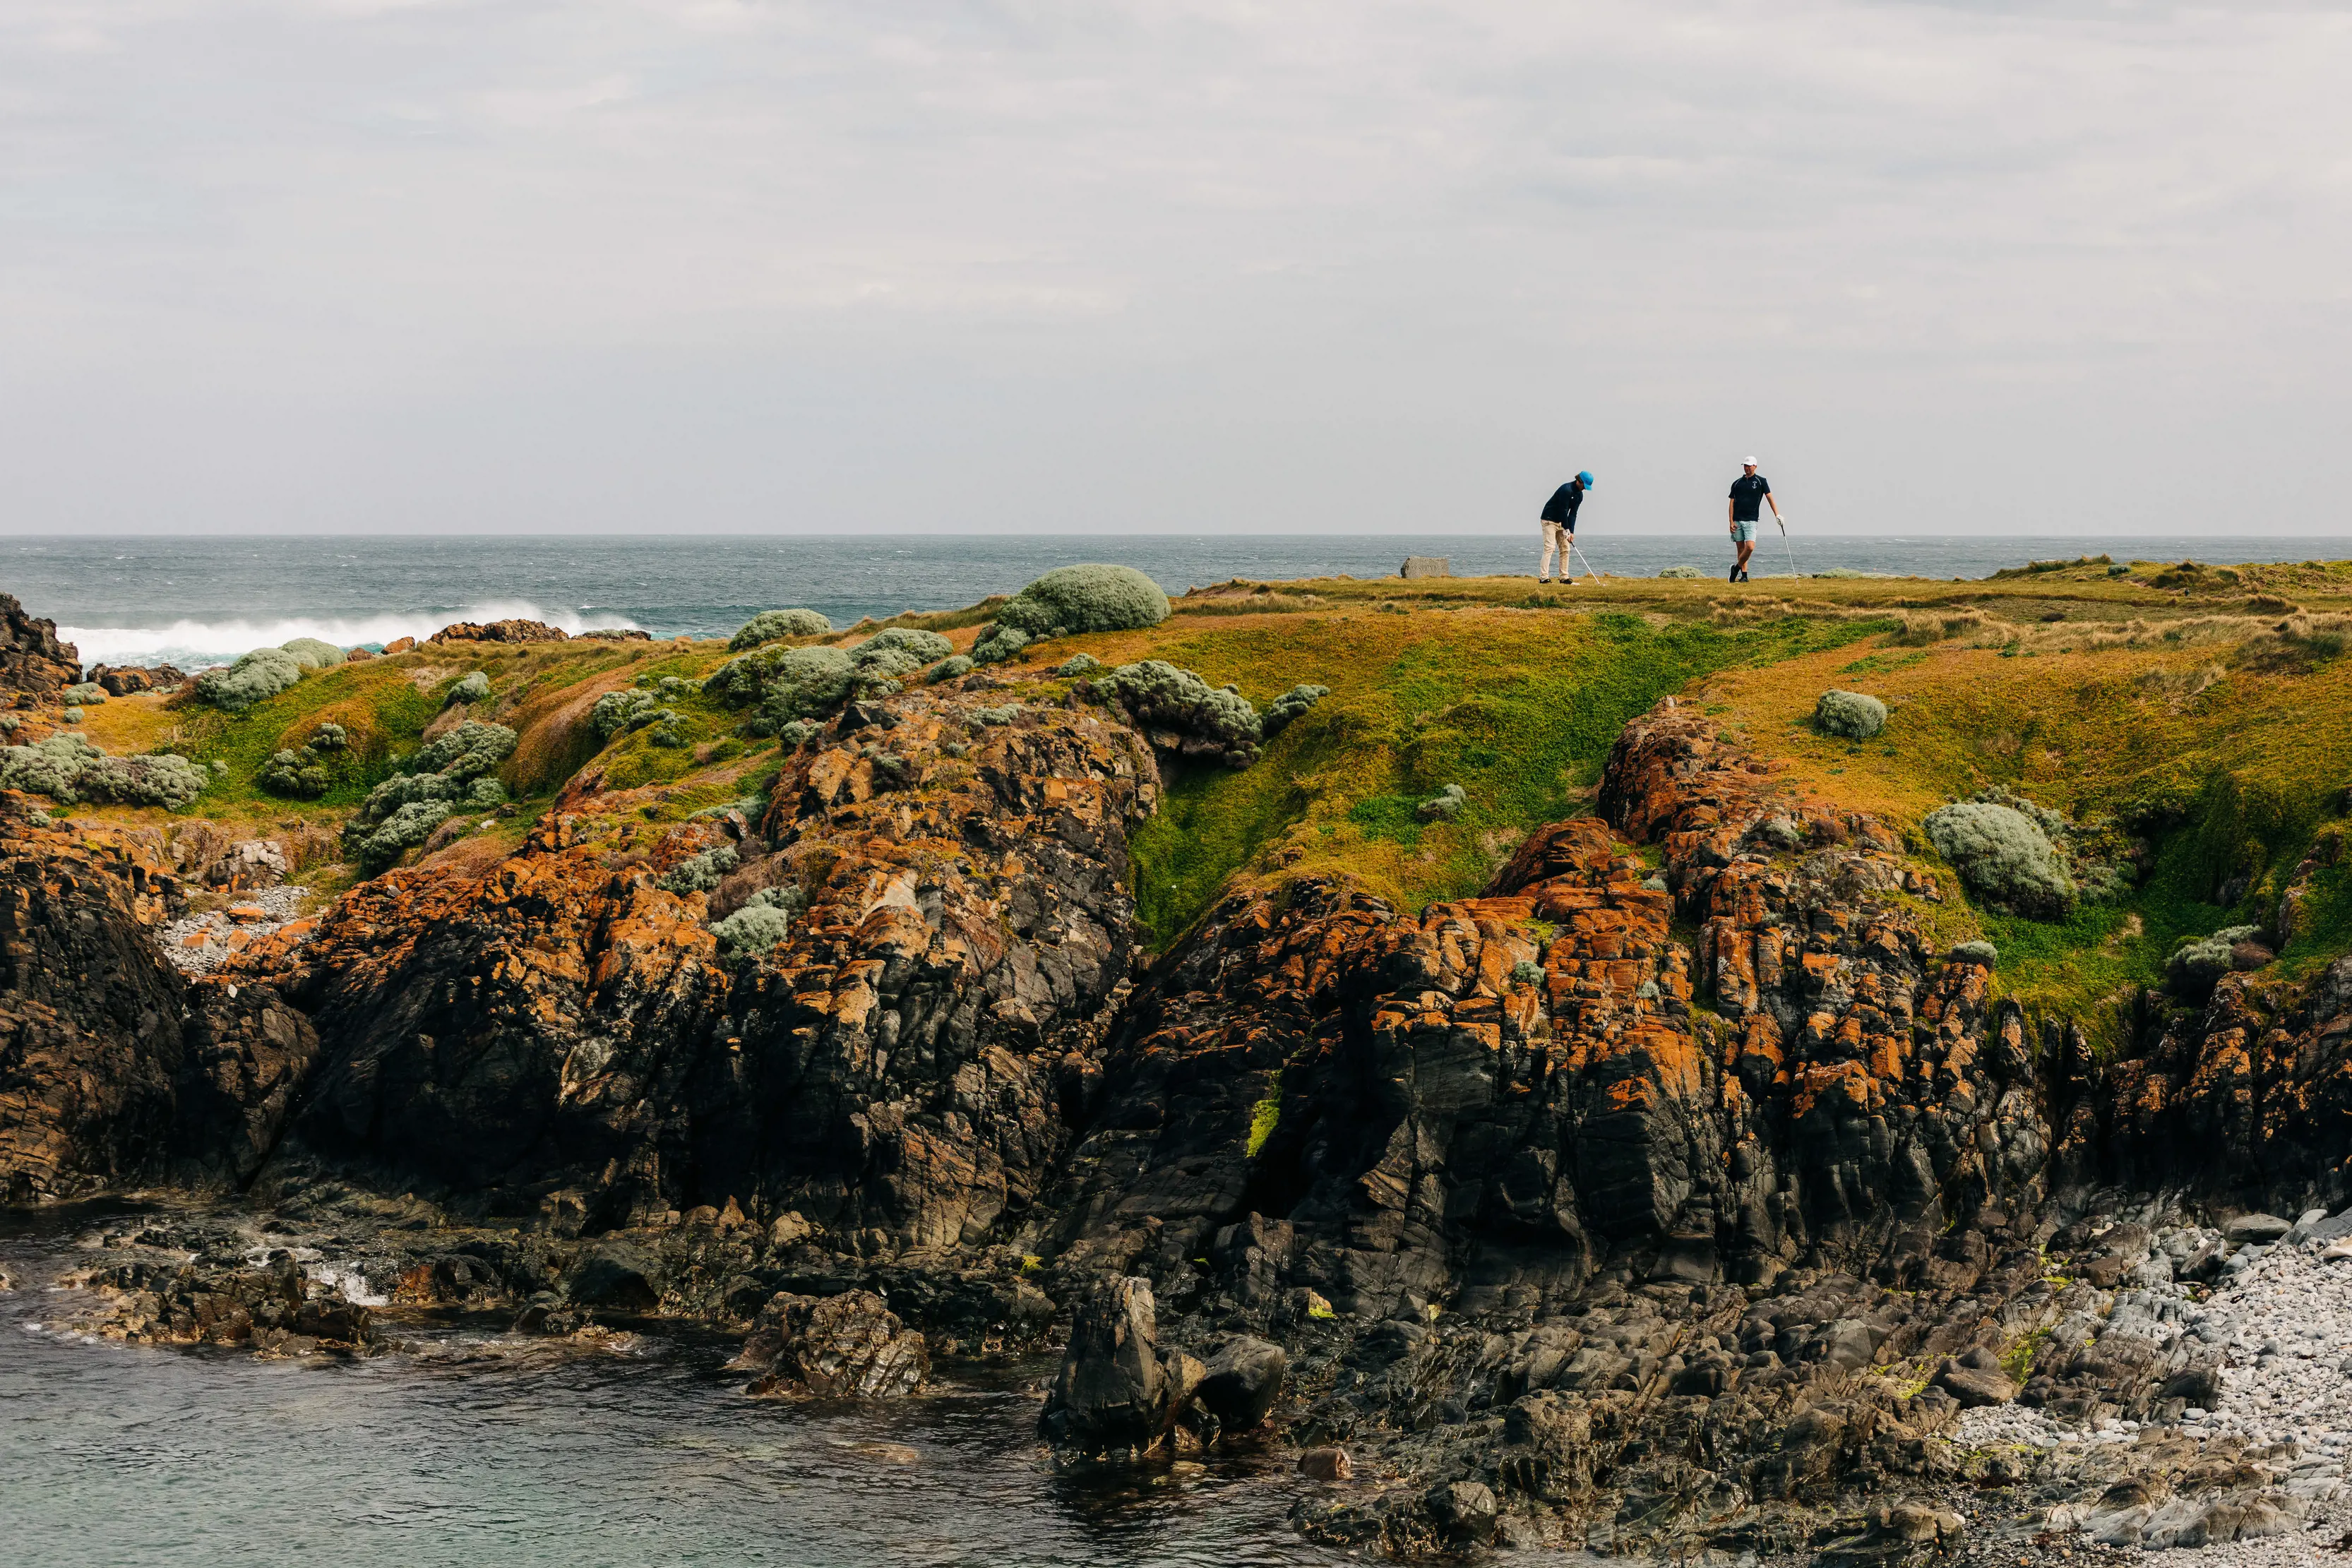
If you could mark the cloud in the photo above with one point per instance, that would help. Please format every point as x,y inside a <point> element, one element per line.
<point>1369,266</point>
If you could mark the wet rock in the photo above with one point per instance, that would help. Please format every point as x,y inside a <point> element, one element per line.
<point>846,1346</point>
<point>1113,1396</point>
<point>1241,1381</point>
<point>2255,1229</point>
<point>1464,1512</point>
<point>1327,1465</point>
<point>618,1277</point>
<point>270,1309</point>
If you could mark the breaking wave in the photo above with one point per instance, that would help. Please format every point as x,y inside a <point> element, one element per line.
<point>195,644</point>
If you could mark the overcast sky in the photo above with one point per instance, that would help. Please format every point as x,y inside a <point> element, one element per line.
<point>460,266</point>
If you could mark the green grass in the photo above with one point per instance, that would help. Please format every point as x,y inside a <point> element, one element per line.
<point>1520,710</point>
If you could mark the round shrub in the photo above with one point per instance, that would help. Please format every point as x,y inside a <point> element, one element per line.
<point>1983,953</point>
<point>330,737</point>
<point>925,646</point>
<point>312,654</point>
<point>1858,716</point>
<point>790,682</point>
<point>751,931</point>
<point>294,774</point>
<point>468,751</point>
<point>773,625</point>
<point>264,673</point>
<point>1079,664</point>
<point>950,668</point>
<point>2003,857</point>
<point>886,662</point>
<point>699,873</point>
<point>1086,599</point>
<point>998,643</point>
<point>474,688</point>
<point>406,829</point>
<point>1684,571</point>
<point>87,693</point>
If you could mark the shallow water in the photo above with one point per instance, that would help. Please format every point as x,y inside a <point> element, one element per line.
<point>126,1456</point>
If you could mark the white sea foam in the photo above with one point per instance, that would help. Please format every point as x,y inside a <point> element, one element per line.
<point>195,644</point>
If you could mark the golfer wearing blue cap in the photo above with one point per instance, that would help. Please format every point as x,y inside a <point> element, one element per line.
<point>1560,527</point>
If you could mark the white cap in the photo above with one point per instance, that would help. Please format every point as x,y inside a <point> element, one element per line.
<point>1748,462</point>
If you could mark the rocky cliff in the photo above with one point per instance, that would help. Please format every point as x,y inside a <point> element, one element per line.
<point>1674,1189</point>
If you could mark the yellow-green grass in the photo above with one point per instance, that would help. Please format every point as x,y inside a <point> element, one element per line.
<point>2228,762</point>
<point>1517,707</point>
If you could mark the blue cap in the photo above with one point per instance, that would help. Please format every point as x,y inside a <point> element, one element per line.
<point>1585,480</point>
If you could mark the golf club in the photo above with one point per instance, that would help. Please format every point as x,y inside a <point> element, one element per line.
<point>1786,544</point>
<point>1587,559</point>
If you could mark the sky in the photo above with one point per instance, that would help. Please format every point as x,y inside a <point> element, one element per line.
<point>1109,267</point>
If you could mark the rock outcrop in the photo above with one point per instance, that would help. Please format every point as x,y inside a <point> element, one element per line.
<point>846,1346</point>
<point>33,662</point>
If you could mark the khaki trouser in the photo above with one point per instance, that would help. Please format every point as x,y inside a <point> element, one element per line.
<point>1556,539</point>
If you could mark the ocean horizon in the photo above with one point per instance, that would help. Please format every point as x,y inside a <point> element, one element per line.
<point>196,599</point>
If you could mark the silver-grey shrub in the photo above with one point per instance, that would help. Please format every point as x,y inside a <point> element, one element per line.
<point>2202,961</point>
<point>1289,705</point>
<point>1208,722</point>
<point>468,751</point>
<point>1079,664</point>
<point>950,667</point>
<point>1858,716</point>
<point>1090,598</point>
<point>773,625</point>
<point>2003,857</point>
<point>262,674</point>
<point>402,813</point>
<point>925,646</point>
<point>68,769</point>
<point>313,652</point>
<point>751,931</point>
<point>699,873</point>
<point>474,688</point>
<point>294,773</point>
<point>87,692</point>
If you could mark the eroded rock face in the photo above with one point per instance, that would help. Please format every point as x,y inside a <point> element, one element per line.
<point>33,662</point>
<point>1118,1394</point>
<point>494,632</point>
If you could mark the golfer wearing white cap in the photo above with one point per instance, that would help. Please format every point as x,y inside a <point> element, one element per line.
<point>1749,493</point>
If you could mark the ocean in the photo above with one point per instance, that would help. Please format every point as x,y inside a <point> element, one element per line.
<point>204,600</point>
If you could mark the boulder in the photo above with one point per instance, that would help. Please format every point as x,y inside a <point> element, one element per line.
<point>1463,1511</point>
<point>1113,1395</point>
<point>851,1346</point>
<point>2256,1228</point>
<point>1327,1465</point>
<point>498,632</point>
<point>1241,1382</point>
<point>617,1276</point>
<point>1975,1388</point>
<point>31,658</point>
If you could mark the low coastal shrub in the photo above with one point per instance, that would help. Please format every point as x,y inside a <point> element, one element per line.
<point>474,688</point>
<point>296,774</point>
<point>313,653</point>
<point>2003,857</point>
<point>2200,962</point>
<point>330,737</point>
<point>445,774</point>
<point>68,769</point>
<point>774,625</point>
<point>1289,705</point>
<point>263,672</point>
<point>751,931</point>
<point>1980,953</point>
<point>1079,666</point>
<point>1182,712</point>
<point>1858,716</point>
<point>950,668</point>
<point>1682,571</point>
<point>1091,598</point>
<point>701,874</point>
<point>1444,806</point>
<point>925,646</point>
<point>87,692</point>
